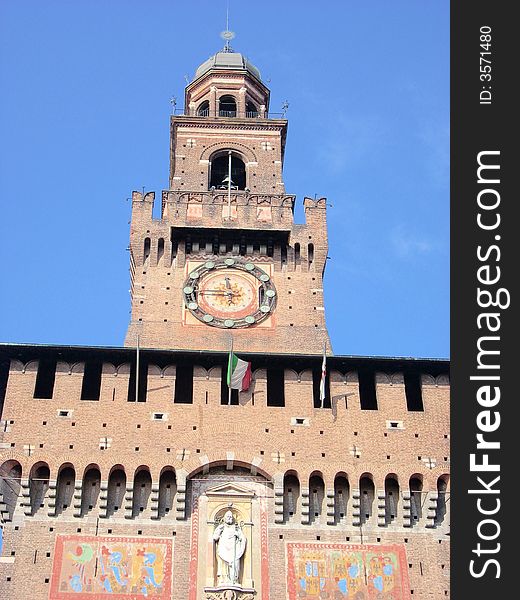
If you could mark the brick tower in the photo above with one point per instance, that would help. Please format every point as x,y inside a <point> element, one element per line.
<point>226,257</point>
<point>135,473</point>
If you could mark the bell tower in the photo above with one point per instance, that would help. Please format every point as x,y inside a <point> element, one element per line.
<point>226,258</point>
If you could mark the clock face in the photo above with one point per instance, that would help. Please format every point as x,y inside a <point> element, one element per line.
<point>230,292</point>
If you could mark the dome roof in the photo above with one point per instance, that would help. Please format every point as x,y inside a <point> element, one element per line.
<point>227,60</point>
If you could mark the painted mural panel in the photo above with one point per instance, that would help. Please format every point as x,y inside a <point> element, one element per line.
<point>88,568</point>
<point>347,571</point>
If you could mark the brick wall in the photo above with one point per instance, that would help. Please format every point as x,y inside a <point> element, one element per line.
<point>194,439</point>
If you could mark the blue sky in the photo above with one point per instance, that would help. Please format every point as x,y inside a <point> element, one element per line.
<point>84,120</point>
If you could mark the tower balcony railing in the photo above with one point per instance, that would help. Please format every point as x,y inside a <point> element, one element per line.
<point>250,114</point>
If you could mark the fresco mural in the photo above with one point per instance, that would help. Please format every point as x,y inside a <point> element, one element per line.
<point>88,568</point>
<point>347,571</point>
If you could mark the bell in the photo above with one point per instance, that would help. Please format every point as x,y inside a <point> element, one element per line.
<point>226,181</point>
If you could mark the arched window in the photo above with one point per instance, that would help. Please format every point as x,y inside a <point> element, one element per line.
<point>160,249</point>
<point>310,253</point>
<point>203,110</point>
<point>297,256</point>
<point>146,249</point>
<point>251,110</point>
<point>227,107</point>
<point>219,171</point>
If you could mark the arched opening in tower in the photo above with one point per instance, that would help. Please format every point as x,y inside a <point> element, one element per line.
<point>203,110</point>
<point>251,110</point>
<point>227,107</point>
<point>219,172</point>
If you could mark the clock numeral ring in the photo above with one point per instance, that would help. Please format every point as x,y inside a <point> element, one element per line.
<point>227,293</point>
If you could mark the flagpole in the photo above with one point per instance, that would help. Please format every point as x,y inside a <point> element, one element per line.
<point>137,371</point>
<point>229,186</point>
<point>323,375</point>
<point>229,363</point>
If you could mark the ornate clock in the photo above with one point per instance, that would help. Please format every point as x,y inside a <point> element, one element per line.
<point>229,293</point>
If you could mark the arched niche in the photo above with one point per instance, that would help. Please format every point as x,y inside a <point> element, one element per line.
<point>90,489</point>
<point>167,491</point>
<point>316,497</point>
<point>10,478</point>
<point>38,486</point>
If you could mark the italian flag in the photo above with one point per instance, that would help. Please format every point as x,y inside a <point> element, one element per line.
<point>239,373</point>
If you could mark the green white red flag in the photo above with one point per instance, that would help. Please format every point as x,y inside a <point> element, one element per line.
<point>239,373</point>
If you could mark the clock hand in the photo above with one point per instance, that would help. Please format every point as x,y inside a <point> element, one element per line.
<point>218,292</point>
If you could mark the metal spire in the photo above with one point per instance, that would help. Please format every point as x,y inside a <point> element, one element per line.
<point>227,35</point>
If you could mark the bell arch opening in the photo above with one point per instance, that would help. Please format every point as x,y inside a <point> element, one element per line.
<point>227,106</point>
<point>251,109</point>
<point>219,171</point>
<point>203,110</point>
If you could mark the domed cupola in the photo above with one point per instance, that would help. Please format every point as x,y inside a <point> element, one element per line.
<point>227,85</point>
<point>227,60</point>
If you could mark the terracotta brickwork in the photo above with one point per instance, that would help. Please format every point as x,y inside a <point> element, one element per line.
<point>116,445</point>
<point>157,283</point>
<point>200,221</point>
<point>313,445</point>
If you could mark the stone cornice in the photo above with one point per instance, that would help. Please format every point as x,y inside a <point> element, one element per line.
<point>216,123</point>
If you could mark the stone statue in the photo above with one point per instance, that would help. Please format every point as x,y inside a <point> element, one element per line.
<point>231,545</point>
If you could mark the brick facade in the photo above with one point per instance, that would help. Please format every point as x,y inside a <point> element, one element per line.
<point>79,456</point>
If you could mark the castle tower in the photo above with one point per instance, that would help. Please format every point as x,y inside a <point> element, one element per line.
<point>140,474</point>
<point>226,257</point>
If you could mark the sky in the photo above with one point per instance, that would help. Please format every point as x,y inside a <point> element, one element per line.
<point>84,120</point>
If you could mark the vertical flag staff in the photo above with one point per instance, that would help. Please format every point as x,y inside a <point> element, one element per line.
<point>230,363</point>
<point>137,371</point>
<point>323,375</point>
<point>229,186</point>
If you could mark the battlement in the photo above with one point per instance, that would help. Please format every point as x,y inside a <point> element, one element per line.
<point>85,399</point>
<point>95,389</point>
<point>236,210</point>
<point>212,223</point>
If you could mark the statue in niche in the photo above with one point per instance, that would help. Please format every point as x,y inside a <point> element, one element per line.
<point>231,545</point>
